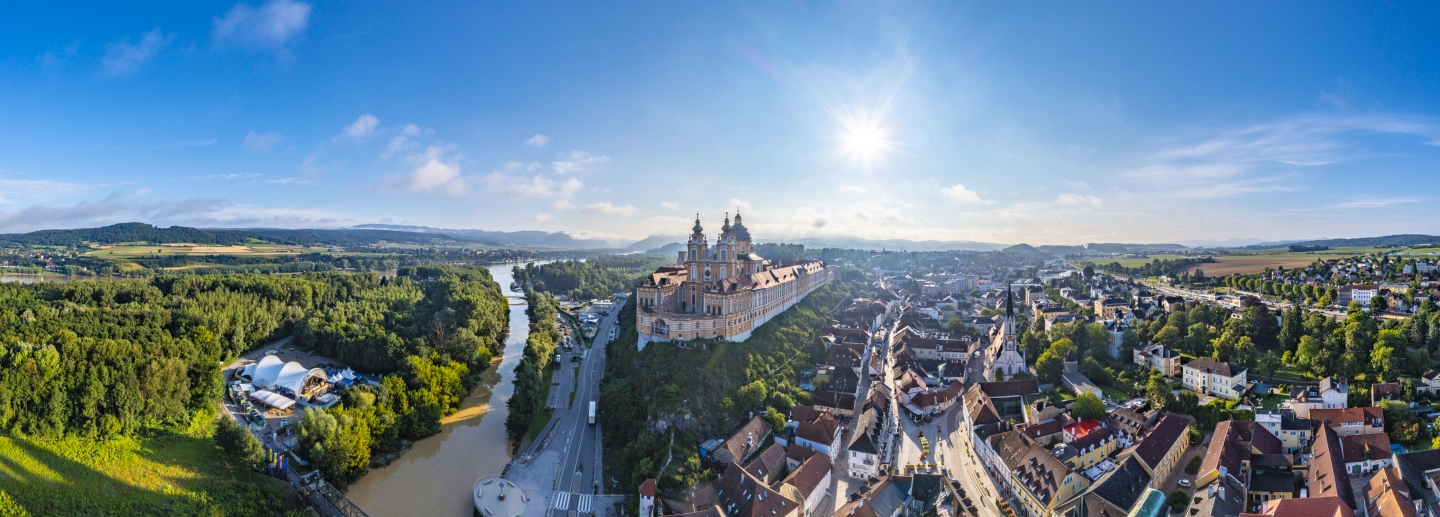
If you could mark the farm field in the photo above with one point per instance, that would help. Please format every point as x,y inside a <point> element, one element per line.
<point>1135,262</point>
<point>1248,264</point>
<point>1420,251</point>
<point>169,475</point>
<point>190,249</point>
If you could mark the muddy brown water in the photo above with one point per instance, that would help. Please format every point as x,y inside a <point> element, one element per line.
<point>435,477</point>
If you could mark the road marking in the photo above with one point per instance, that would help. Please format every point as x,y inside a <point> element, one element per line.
<point>584,504</point>
<point>562,500</point>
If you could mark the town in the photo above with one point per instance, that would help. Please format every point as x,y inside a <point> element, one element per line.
<point>1058,389</point>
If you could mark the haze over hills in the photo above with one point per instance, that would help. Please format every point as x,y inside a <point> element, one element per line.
<point>516,239</point>
<point>141,232</point>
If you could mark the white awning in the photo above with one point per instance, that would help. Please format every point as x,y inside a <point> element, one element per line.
<point>272,399</point>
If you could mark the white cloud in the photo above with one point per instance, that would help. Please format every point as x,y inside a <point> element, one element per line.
<point>200,212</point>
<point>261,142</point>
<point>412,130</point>
<point>1372,202</point>
<point>959,194</point>
<point>1077,199</point>
<point>609,209</point>
<point>361,127</point>
<point>437,169</point>
<point>853,189</point>
<point>579,161</point>
<point>540,217</point>
<point>272,26</point>
<point>142,192</point>
<point>232,176</point>
<point>669,206</point>
<point>525,187</point>
<point>563,204</point>
<point>124,58</point>
<point>538,140</point>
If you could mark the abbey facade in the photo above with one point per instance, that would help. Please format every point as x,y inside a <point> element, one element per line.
<point>723,291</point>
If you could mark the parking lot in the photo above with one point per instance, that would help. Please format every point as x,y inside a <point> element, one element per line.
<point>271,425</point>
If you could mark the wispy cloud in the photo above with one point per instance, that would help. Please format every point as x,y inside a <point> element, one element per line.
<point>361,127</point>
<point>526,187</point>
<point>198,142</point>
<point>204,212</point>
<point>262,142</point>
<point>610,209</point>
<point>232,176</point>
<point>1376,202</point>
<point>579,161</point>
<point>123,58</point>
<point>540,217</point>
<point>538,140</point>
<point>14,190</point>
<point>1077,199</point>
<point>959,194</point>
<point>273,26</point>
<point>669,206</point>
<point>856,189</point>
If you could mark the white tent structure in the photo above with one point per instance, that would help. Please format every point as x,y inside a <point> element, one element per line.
<point>272,399</point>
<point>273,373</point>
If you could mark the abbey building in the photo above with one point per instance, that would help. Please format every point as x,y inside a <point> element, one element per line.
<point>723,291</point>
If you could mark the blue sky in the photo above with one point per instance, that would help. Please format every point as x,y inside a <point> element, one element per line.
<point>1043,123</point>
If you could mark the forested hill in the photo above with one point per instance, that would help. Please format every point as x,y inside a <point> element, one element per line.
<point>141,232</point>
<point>1386,241</point>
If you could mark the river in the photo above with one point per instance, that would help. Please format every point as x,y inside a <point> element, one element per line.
<point>435,476</point>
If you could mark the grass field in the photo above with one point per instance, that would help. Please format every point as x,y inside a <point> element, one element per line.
<point>1249,264</point>
<point>1421,251</point>
<point>169,475</point>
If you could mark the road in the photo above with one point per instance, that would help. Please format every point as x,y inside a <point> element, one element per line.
<point>579,442</point>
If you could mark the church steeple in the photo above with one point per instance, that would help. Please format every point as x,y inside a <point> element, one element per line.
<point>697,229</point>
<point>1009,302</point>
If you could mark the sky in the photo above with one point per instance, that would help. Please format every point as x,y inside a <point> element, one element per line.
<point>1045,123</point>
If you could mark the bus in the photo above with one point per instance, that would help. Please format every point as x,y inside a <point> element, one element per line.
<point>592,412</point>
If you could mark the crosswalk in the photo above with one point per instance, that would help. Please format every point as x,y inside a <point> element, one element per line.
<point>583,502</point>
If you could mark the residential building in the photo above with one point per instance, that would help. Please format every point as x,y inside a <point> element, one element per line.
<point>1086,451</point>
<point>1294,433</point>
<point>1351,421</point>
<point>1125,492</point>
<point>1160,358</point>
<point>1109,308</point>
<point>724,292</point>
<point>812,481</point>
<point>1382,391</point>
<point>1328,506</point>
<point>1161,449</point>
<point>1366,453</point>
<point>1225,497</point>
<point>1247,453</point>
<point>1429,382</point>
<point>1326,475</point>
<point>1387,496</point>
<point>821,434</point>
<point>1223,380</point>
<point>745,441</point>
<point>1129,427</point>
<point>1331,393</point>
<point>768,465</point>
<point>885,499</point>
<point>1420,472</point>
<point>1043,485</point>
<point>737,492</point>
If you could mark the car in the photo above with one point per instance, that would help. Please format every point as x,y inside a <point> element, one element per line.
<point>1185,483</point>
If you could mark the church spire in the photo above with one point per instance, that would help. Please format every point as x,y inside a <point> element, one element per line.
<point>1009,302</point>
<point>697,229</point>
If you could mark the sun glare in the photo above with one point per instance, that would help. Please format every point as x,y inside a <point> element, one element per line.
<point>864,141</point>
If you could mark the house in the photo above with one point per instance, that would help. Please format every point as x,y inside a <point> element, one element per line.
<point>869,443</point>
<point>1159,358</point>
<point>821,434</point>
<point>768,465</point>
<point>1351,421</point>
<point>1124,492</point>
<point>1309,507</point>
<point>1224,380</point>
<point>1225,497</point>
<point>1366,453</point>
<point>1079,429</point>
<point>1420,471</point>
<point>1294,433</point>
<point>1384,392</point>
<point>1108,308</point>
<point>1326,476</point>
<point>745,441</point>
<point>738,493</point>
<point>1129,427</point>
<point>1086,451</point>
<point>1045,433</point>
<point>1329,394</point>
<point>885,499</point>
<point>1362,293</point>
<point>1162,448</point>
<point>1250,455</point>
<point>1387,496</point>
<point>1043,485</point>
<point>1429,382</point>
<point>812,481</point>
<point>1042,410</point>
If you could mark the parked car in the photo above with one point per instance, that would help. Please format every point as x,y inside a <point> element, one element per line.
<point>1185,483</point>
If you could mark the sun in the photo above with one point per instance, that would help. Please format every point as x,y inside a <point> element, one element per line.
<point>864,142</point>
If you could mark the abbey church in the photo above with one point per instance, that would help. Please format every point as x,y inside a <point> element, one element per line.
<point>724,291</point>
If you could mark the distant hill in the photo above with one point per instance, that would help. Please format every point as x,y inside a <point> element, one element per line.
<point>893,244</point>
<point>655,241</point>
<point>141,232</point>
<point>1409,239</point>
<point>1026,249</point>
<point>527,239</point>
<point>1106,247</point>
<point>130,232</point>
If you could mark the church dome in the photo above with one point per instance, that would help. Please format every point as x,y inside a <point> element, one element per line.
<point>741,233</point>
<point>697,228</point>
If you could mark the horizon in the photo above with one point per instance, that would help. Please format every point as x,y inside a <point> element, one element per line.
<point>1061,125</point>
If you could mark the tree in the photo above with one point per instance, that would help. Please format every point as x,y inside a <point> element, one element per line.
<point>1291,328</point>
<point>1187,402</point>
<point>1089,272</point>
<point>1159,391</point>
<point>1170,337</point>
<point>1052,362</point>
<point>1379,304</point>
<point>776,418</point>
<point>749,396</point>
<point>1088,407</point>
<point>239,443</point>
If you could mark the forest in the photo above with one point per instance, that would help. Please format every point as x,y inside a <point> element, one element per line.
<point>531,375</point>
<point>99,360</point>
<point>647,397</point>
<point>599,277</point>
<point>1157,267</point>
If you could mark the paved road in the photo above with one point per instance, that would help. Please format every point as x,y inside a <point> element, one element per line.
<point>577,442</point>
